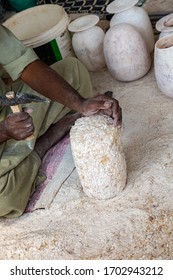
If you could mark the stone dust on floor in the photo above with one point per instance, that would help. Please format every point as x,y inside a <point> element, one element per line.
<point>138,223</point>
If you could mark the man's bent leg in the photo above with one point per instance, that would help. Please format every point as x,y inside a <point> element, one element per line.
<point>75,73</point>
<point>17,185</point>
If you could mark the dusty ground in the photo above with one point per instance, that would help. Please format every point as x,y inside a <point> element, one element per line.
<point>138,224</point>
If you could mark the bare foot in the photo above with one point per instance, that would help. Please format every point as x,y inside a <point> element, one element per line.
<point>55,133</point>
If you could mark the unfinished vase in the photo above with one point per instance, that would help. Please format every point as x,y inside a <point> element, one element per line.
<point>87,42</point>
<point>98,156</point>
<point>125,11</point>
<point>126,54</point>
<point>163,64</point>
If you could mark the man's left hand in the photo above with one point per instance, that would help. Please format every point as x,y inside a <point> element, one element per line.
<point>103,104</point>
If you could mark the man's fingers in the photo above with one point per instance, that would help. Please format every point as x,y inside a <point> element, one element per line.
<point>96,105</point>
<point>27,110</point>
<point>107,104</point>
<point>21,116</point>
<point>109,93</point>
<point>117,115</point>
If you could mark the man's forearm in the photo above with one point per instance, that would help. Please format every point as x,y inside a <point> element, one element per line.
<point>46,81</point>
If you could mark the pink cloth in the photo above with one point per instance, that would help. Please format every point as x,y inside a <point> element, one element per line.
<point>50,164</point>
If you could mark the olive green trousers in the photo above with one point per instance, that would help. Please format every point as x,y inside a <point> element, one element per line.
<point>19,164</point>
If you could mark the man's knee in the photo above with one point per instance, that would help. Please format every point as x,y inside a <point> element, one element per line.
<point>70,64</point>
<point>8,208</point>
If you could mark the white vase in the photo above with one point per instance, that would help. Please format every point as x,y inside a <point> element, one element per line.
<point>126,54</point>
<point>163,64</point>
<point>87,42</point>
<point>165,26</point>
<point>125,11</point>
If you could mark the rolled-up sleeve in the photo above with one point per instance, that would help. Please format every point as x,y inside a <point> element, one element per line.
<point>14,56</point>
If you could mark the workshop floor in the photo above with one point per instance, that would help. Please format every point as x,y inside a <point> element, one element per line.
<point>137,224</point>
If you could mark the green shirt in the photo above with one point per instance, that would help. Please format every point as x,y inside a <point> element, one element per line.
<point>14,56</point>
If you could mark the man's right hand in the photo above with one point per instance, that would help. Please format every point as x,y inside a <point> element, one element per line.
<point>16,126</point>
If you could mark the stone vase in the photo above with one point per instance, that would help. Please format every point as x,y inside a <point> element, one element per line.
<point>125,11</point>
<point>126,54</point>
<point>163,64</point>
<point>165,26</point>
<point>87,42</point>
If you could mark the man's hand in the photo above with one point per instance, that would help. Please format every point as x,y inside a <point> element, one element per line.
<point>103,104</point>
<point>17,126</point>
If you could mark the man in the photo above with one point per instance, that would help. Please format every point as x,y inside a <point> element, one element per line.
<point>68,86</point>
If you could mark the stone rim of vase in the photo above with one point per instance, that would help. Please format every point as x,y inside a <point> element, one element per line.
<point>118,6</point>
<point>164,43</point>
<point>83,23</point>
<point>165,23</point>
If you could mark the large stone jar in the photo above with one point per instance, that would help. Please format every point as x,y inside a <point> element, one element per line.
<point>126,54</point>
<point>87,42</point>
<point>165,26</point>
<point>125,11</point>
<point>163,64</point>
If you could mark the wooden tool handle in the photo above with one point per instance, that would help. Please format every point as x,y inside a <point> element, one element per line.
<point>17,109</point>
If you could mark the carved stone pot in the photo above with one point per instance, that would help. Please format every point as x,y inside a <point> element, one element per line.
<point>125,11</point>
<point>87,42</point>
<point>163,64</point>
<point>126,54</point>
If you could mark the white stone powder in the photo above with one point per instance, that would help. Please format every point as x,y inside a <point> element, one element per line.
<point>98,155</point>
